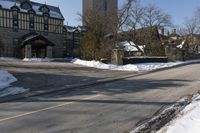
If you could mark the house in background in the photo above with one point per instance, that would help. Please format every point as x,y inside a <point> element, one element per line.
<point>72,38</point>
<point>30,29</point>
<point>130,49</point>
<point>193,41</point>
<point>147,39</point>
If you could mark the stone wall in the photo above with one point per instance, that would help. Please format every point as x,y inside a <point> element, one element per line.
<point>117,56</point>
<point>176,54</point>
<point>11,47</point>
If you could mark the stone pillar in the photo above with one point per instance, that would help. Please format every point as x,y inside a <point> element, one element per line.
<point>28,51</point>
<point>43,53</point>
<point>117,56</point>
<point>49,51</point>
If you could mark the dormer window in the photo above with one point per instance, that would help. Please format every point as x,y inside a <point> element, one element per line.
<point>44,9</point>
<point>26,5</point>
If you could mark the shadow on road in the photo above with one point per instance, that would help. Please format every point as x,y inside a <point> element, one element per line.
<point>43,82</point>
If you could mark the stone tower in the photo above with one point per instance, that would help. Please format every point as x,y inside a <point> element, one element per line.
<point>104,7</point>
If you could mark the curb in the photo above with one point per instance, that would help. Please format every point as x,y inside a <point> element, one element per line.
<point>163,116</point>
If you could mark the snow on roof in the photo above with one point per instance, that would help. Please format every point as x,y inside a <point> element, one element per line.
<point>73,29</point>
<point>82,28</point>
<point>54,11</point>
<point>181,45</point>
<point>70,28</point>
<point>130,47</point>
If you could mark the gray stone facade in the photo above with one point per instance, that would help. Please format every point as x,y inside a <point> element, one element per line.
<point>11,42</point>
<point>30,29</point>
<point>104,7</point>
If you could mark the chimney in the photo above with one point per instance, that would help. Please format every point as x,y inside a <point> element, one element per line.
<point>163,31</point>
<point>168,33</point>
<point>174,31</point>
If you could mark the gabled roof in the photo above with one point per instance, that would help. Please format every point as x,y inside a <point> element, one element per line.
<point>54,12</point>
<point>164,37</point>
<point>174,35</point>
<point>27,39</point>
<point>150,33</point>
<point>70,29</point>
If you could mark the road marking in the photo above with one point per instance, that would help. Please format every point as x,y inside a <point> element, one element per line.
<point>45,109</point>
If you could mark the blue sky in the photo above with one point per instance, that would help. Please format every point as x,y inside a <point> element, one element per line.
<point>179,9</point>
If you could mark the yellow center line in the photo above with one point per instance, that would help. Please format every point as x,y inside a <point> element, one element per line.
<point>44,109</point>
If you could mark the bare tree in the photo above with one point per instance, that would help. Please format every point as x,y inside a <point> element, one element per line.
<point>132,16</point>
<point>154,16</point>
<point>103,30</point>
<point>141,27</point>
<point>96,43</point>
<point>191,26</point>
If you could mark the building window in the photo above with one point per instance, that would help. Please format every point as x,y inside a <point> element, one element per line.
<point>31,21</point>
<point>15,19</point>
<point>105,6</point>
<point>46,23</point>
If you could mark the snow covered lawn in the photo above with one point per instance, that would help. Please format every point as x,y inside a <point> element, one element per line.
<point>5,88</point>
<point>130,67</point>
<point>188,121</point>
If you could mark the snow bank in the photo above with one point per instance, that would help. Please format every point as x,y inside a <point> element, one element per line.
<point>5,88</point>
<point>6,79</point>
<point>46,59</point>
<point>7,59</point>
<point>12,91</point>
<point>38,59</point>
<point>188,121</point>
<point>130,67</point>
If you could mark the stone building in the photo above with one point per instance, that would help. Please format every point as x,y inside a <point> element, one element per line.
<point>104,7</point>
<point>29,29</point>
<point>72,40</point>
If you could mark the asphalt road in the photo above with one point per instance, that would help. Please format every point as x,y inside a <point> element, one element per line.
<point>41,76</point>
<point>113,107</point>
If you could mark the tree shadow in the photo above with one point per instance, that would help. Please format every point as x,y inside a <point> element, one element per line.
<point>41,83</point>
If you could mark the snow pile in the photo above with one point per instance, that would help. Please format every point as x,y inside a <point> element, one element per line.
<point>46,59</point>
<point>130,67</point>
<point>6,79</point>
<point>5,88</point>
<point>38,59</point>
<point>7,59</point>
<point>12,91</point>
<point>188,121</point>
